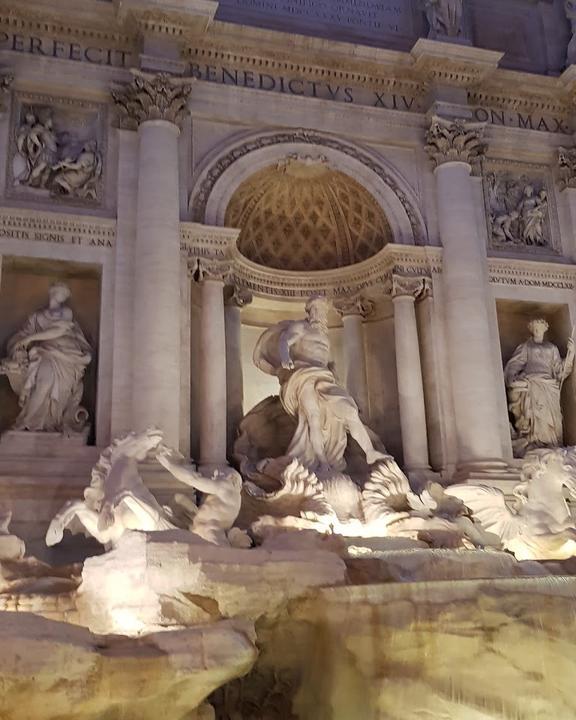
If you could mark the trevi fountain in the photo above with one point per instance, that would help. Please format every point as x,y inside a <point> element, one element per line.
<point>287,343</point>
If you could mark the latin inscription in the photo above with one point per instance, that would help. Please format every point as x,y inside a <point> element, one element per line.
<point>532,282</point>
<point>48,47</point>
<point>14,228</point>
<point>368,17</point>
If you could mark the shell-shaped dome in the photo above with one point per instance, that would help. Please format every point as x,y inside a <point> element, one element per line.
<point>303,215</point>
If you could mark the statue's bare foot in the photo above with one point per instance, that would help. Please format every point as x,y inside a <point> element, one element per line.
<point>373,456</point>
<point>55,534</point>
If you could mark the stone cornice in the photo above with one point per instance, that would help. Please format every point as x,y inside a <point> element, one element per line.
<point>189,23</point>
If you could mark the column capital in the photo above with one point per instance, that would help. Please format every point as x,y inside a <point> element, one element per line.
<point>412,287</point>
<point>151,97</point>
<point>236,296</point>
<point>353,305</point>
<point>566,168</point>
<point>454,141</point>
<point>209,269</point>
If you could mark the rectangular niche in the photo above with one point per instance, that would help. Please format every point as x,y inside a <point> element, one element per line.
<point>513,319</point>
<point>521,212</point>
<point>24,285</point>
<point>57,150</point>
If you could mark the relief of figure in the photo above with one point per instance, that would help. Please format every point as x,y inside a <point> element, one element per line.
<point>532,211</point>
<point>534,376</point>
<point>78,177</point>
<point>51,161</point>
<point>518,211</point>
<point>298,353</point>
<point>444,17</point>
<point>45,366</point>
<point>37,147</point>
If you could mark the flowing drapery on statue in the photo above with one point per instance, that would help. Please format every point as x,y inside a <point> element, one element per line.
<point>298,353</point>
<point>534,376</point>
<point>45,366</point>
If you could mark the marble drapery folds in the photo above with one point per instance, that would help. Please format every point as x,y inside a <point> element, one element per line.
<point>45,366</point>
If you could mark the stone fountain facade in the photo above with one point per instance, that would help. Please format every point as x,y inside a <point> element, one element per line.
<point>287,402</point>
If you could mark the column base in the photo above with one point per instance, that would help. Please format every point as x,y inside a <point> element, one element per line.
<point>486,472</point>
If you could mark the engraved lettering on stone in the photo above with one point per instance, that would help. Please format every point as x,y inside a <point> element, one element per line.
<point>455,140</point>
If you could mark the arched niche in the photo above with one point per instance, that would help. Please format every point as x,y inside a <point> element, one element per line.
<point>226,171</point>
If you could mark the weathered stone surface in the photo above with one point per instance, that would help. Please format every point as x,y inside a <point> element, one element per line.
<point>171,579</point>
<point>476,650</point>
<point>55,671</point>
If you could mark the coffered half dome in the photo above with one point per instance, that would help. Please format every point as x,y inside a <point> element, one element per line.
<point>301,214</point>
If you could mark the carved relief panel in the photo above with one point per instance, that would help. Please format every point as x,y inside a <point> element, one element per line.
<point>56,151</point>
<point>520,209</point>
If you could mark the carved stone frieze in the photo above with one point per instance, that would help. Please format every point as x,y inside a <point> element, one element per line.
<point>151,97</point>
<point>57,150</point>
<point>455,141</point>
<point>354,305</point>
<point>518,212</point>
<point>567,167</point>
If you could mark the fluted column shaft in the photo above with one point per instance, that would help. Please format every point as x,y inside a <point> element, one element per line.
<point>155,105</point>
<point>409,374</point>
<point>353,310</point>
<point>453,145</point>
<point>212,374</point>
<point>234,302</point>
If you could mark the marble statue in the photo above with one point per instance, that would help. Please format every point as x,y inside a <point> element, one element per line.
<point>116,499</point>
<point>386,507</point>
<point>444,17</point>
<point>534,376</point>
<point>77,177</point>
<point>214,519</point>
<point>37,147</point>
<point>298,354</point>
<point>570,10</point>
<point>541,526</point>
<point>45,366</point>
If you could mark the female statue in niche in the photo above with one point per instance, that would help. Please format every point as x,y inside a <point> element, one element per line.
<point>534,376</point>
<point>45,366</point>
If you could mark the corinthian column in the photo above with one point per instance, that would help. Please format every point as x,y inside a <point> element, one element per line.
<point>453,146</point>
<point>353,310</point>
<point>236,299</point>
<point>405,290</point>
<point>213,396</point>
<point>155,105</point>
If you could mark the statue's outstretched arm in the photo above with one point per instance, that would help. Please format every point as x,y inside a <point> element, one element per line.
<point>187,476</point>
